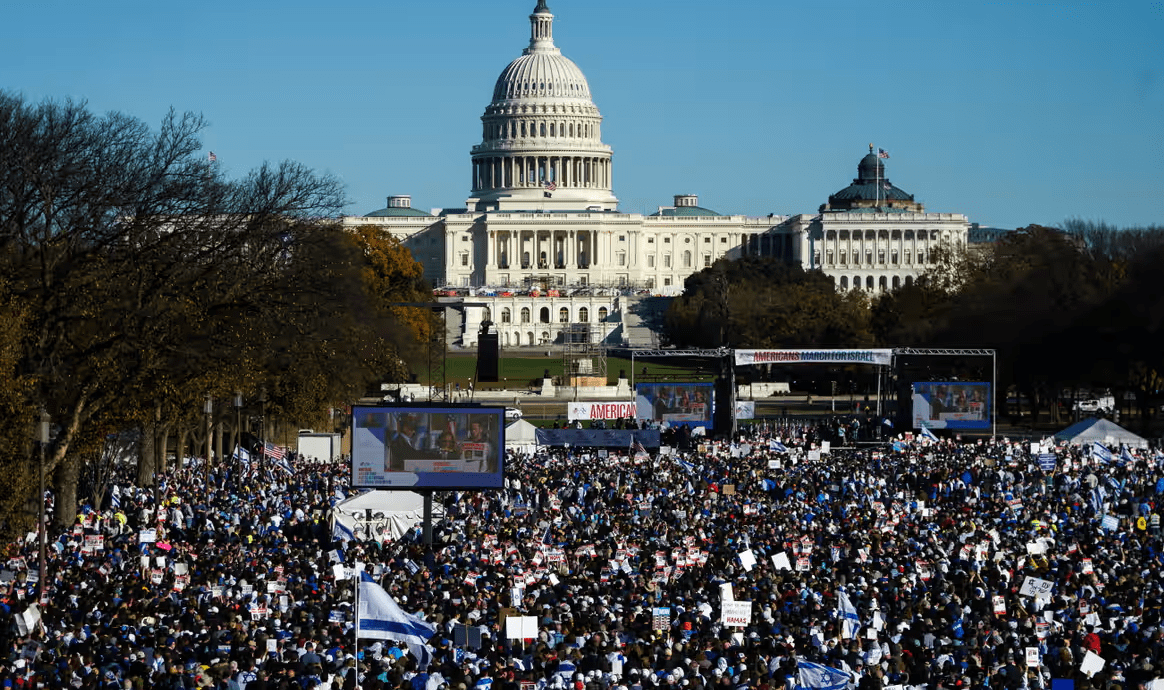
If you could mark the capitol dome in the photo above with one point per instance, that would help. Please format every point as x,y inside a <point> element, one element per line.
<point>541,138</point>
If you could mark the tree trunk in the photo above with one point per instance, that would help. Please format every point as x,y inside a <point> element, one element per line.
<point>147,460</point>
<point>65,488</point>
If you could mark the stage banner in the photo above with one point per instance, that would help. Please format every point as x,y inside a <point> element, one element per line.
<point>879,357</point>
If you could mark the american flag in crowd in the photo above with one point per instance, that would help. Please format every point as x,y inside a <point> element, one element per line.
<point>273,451</point>
<point>638,448</point>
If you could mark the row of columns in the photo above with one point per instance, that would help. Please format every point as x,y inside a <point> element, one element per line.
<point>507,249</point>
<point>508,172</point>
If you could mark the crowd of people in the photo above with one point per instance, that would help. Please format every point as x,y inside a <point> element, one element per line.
<point>741,564</point>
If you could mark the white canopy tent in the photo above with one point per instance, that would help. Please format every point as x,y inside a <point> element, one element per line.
<point>521,436</point>
<point>1105,431</point>
<point>393,514</point>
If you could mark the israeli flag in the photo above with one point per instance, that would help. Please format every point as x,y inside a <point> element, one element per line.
<point>1098,450</point>
<point>887,422</point>
<point>341,532</point>
<point>115,496</point>
<point>812,676</point>
<point>381,618</point>
<point>850,621</point>
<point>1126,456</point>
<point>242,455</point>
<point>928,435</point>
<point>777,447</point>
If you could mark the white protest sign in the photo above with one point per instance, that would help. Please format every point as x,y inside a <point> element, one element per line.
<point>725,592</point>
<point>999,605</point>
<point>1032,657</point>
<point>748,560</point>
<point>780,561</point>
<point>1033,586</point>
<point>736,614</point>
<point>521,627</point>
<point>1092,663</point>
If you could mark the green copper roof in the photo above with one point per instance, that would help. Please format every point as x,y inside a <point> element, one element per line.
<point>686,211</point>
<point>396,212</point>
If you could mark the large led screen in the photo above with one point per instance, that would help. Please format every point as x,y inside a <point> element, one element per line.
<point>951,405</point>
<point>678,404</point>
<point>411,447</point>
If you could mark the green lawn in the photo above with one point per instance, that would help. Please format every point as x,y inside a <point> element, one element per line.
<point>518,372</point>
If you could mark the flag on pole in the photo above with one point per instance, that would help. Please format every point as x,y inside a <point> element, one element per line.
<point>850,621</point>
<point>640,451</point>
<point>551,185</point>
<point>212,157</point>
<point>887,422</point>
<point>341,532</point>
<point>1098,450</point>
<point>777,447</point>
<point>273,451</point>
<point>242,455</point>
<point>928,435</point>
<point>1126,456</point>
<point>810,676</point>
<point>115,496</point>
<point>381,618</point>
<point>882,153</point>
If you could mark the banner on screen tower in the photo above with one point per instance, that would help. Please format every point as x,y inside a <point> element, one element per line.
<point>879,357</point>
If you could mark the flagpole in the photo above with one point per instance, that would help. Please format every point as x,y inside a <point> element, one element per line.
<point>356,606</point>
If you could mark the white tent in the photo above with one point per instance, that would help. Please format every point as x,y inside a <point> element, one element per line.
<point>393,513</point>
<point>1106,432</point>
<point>521,436</point>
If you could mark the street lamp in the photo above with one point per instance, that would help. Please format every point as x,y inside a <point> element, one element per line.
<point>43,429</point>
<point>238,405</point>
<point>209,409</point>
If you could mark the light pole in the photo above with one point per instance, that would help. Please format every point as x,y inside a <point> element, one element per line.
<point>159,465</point>
<point>238,404</point>
<point>43,428</point>
<point>209,409</point>
<point>263,422</point>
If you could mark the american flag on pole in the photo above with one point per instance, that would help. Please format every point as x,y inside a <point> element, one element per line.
<point>213,158</point>
<point>639,450</point>
<point>551,185</point>
<point>882,153</point>
<point>273,451</point>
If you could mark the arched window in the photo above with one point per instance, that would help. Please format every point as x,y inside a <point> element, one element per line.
<point>571,129</point>
<point>844,257</point>
<point>857,258</point>
<point>525,259</point>
<point>893,256</point>
<point>869,283</point>
<point>530,337</point>
<point>687,259</point>
<point>908,281</point>
<point>505,315</point>
<point>856,282</point>
<point>869,259</point>
<point>542,129</point>
<point>880,256</point>
<point>544,315</point>
<point>882,283</point>
<point>844,282</point>
<point>829,257</point>
<point>552,130</point>
<point>545,338</point>
<point>583,314</point>
<point>523,129</point>
<point>602,313</point>
<point>896,282</point>
<point>563,315</point>
<point>525,314</point>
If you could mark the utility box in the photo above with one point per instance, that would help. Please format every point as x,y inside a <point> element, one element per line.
<point>319,447</point>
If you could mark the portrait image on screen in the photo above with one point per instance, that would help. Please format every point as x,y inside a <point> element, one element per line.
<point>427,447</point>
<point>951,405</point>
<point>678,404</point>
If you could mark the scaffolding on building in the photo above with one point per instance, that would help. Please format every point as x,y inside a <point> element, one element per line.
<point>584,355</point>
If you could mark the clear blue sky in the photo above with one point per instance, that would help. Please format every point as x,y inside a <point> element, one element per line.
<point>1009,112</point>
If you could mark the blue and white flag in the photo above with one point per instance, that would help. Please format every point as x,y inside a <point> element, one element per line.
<point>887,422</point>
<point>381,618</point>
<point>812,676</point>
<point>850,621</point>
<point>928,435</point>
<point>341,532</point>
<point>1098,450</point>
<point>777,447</point>
<point>1126,456</point>
<point>115,496</point>
<point>242,455</point>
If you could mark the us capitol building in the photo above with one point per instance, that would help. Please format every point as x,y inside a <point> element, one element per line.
<point>541,241</point>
